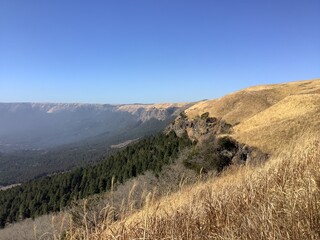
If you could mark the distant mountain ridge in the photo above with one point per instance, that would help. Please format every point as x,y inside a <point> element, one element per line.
<point>136,109</point>
<point>43,125</point>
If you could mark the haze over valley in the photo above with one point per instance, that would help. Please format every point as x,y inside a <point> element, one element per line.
<point>37,139</point>
<point>26,126</point>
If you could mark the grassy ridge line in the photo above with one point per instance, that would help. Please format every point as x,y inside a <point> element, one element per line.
<point>267,117</point>
<point>280,200</point>
<point>244,104</point>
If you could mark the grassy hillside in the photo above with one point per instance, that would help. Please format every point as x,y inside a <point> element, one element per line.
<point>279,200</point>
<point>269,116</point>
<point>244,104</point>
<point>276,200</point>
<point>275,127</point>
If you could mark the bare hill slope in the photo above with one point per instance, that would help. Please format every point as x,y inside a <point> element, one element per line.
<point>267,116</point>
<point>276,200</point>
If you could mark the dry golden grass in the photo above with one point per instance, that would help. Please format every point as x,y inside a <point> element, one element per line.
<point>274,128</point>
<point>244,104</point>
<point>46,227</point>
<point>279,200</point>
<point>269,116</point>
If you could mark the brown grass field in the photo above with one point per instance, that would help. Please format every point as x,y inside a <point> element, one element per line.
<point>270,116</point>
<point>279,199</point>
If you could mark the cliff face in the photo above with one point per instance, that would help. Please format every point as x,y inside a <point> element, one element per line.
<point>147,112</point>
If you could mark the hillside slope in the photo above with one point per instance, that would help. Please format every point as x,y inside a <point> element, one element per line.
<point>279,200</point>
<point>267,116</point>
<point>241,105</point>
<point>276,200</point>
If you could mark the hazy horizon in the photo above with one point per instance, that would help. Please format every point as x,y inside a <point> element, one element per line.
<point>139,103</point>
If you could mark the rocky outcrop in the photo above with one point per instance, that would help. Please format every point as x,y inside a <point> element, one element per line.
<point>215,147</point>
<point>199,127</point>
<point>238,153</point>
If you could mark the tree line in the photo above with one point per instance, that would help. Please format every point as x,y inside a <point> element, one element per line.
<point>53,193</point>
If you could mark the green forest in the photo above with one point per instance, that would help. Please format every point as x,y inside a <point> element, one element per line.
<point>53,193</point>
<point>25,165</point>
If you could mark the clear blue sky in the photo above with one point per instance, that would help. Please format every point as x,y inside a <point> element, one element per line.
<point>153,50</point>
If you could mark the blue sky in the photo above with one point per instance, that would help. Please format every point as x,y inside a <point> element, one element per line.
<point>153,50</point>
